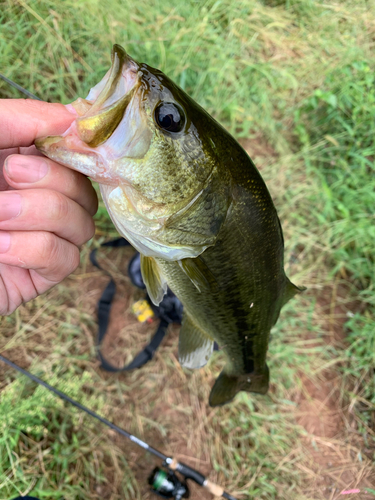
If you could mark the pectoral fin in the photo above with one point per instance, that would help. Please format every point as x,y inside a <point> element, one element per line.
<point>194,347</point>
<point>199,223</point>
<point>153,279</point>
<point>197,271</point>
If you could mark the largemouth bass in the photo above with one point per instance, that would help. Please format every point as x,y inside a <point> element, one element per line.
<point>186,195</point>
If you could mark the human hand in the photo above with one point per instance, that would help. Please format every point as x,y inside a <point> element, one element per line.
<point>45,209</point>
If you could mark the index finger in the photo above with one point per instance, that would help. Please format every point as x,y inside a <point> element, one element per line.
<point>24,120</point>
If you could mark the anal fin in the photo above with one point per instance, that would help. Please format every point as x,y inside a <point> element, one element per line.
<point>153,279</point>
<point>194,346</point>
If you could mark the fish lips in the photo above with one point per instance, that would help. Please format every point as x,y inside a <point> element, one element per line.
<point>110,99</point>
<point>90,141</point>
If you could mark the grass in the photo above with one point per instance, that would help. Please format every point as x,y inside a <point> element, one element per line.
<point>294,80</point>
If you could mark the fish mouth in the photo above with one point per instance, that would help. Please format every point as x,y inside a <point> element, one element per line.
<point>105,114</point>
<point>83,146</point>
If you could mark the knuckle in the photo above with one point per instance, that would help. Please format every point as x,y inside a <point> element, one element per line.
<point>84,231</point>
<point>84,193</point>
<point>60,257</point>
<point>91,195</point>
<point>94,203</point>
<point>90,229</point>
<point>50,248</point>
<point>73,183</point>
<point>58,206</point>
<point>75,259</point>
<point>71,259</point>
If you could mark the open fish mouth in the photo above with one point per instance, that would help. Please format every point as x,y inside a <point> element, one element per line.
<point>134,136</point>
<point>110,102</point>
<point>98,117</point>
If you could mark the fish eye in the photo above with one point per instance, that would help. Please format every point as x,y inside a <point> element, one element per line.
<point>170,117</point>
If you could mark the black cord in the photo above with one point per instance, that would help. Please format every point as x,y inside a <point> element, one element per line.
<point>168,311</point>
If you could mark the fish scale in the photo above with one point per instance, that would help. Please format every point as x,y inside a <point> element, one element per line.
<point>186,195</point>
<point>243,278</point>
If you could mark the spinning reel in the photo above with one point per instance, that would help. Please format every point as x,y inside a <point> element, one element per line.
<point>166,484</point>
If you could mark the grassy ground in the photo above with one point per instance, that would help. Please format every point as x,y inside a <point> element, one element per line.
<point>294,82</point>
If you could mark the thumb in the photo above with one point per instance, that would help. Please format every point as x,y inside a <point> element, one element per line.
<point>24,120</point>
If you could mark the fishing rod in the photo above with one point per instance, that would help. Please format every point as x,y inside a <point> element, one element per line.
<point>19,88</point>
<point>164,483</point>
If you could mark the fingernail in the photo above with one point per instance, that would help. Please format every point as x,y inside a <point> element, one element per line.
<point>4,241</point>
<point>10,205</point>
<point>71,108</point>
<point>23,168</point>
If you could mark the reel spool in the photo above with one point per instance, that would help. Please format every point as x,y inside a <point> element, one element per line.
<point>167,484</point>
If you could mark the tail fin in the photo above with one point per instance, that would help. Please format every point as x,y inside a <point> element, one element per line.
<point>227,386</point>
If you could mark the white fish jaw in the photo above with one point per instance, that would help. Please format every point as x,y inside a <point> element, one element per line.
<point>108,125</point>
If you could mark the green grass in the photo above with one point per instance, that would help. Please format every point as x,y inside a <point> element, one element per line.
<point>296,76</point>
<point>334,126</point>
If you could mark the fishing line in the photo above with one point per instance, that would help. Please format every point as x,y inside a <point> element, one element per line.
<point>161,481</point>
<point>18,87</point>
<point>164,483</point>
